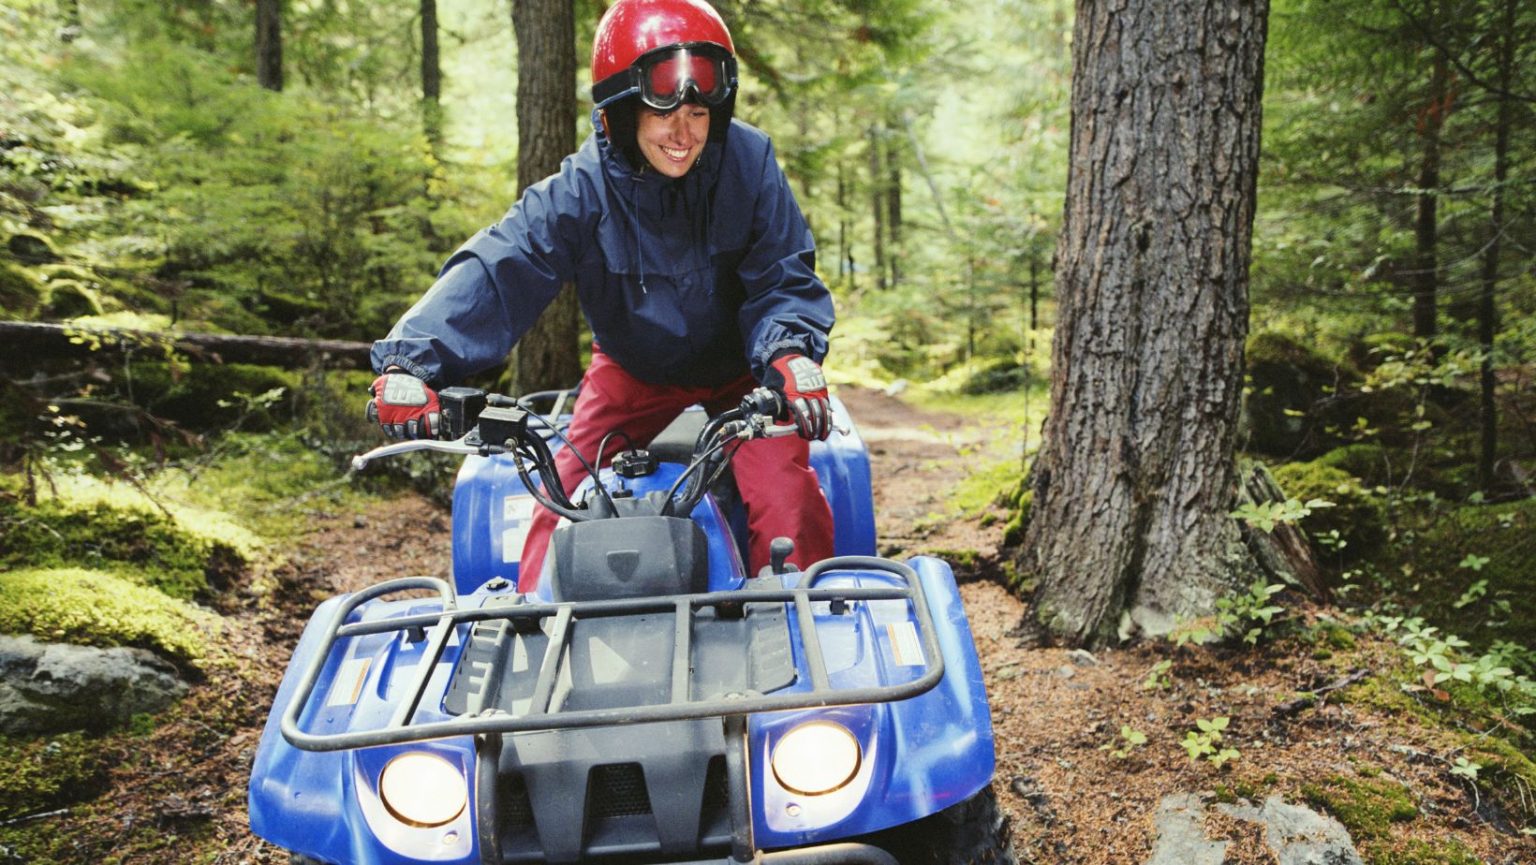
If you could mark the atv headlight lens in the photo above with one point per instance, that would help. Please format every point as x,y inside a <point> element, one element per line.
<point>815,758</point>
<point>422,789</point>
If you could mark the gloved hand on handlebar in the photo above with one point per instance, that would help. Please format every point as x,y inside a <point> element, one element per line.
<point>800,380</point>
<point>404,406</point>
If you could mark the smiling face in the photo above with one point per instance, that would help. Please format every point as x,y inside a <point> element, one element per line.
<point>671,141</point>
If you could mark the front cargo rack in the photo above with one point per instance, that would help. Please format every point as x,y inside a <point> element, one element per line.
<point>437,628</point>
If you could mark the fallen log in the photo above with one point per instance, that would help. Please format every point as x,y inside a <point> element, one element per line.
<point>27,344</point>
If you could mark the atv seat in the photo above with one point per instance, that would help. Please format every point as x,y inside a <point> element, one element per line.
<point>675,443</point>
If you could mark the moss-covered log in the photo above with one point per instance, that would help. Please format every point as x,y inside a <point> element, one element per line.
<point>24,344</point>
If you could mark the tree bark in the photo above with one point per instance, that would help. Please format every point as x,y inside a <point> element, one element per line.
<point>877,205</point>
<point>893,207</point>
<point>1487,312</point>
<point>549,355</point>
<point>1426,274</point>
<point>431,73</point>
<point>269,44</point>
<point>1136,477</point>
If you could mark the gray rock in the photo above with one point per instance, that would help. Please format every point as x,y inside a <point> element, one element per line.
<point>1082,658</point>
<point>1181,840</point>
<point>1299,835</point>
<point>54,687</point>
<point>1295,834</point>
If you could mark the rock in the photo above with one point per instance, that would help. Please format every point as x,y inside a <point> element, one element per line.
<point>54,687</point>
<point>1299,835</point>
<point>1296,835</point>
<point>1181,840</point>
<point>1082,658</point>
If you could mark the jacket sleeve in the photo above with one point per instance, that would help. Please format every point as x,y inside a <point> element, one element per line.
<point>788,308</point>
<point>493,289</point>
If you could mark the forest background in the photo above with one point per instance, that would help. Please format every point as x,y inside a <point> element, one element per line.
<point>163,171</point>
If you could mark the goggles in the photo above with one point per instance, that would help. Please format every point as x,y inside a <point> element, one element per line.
<point>664,77</point>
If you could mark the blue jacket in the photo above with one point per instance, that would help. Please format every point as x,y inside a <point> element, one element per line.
<point>693,281</point>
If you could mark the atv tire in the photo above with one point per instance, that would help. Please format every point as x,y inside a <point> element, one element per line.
<point>973,832</point>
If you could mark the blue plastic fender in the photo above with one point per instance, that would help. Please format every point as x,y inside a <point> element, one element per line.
<point>304,801</point>
<point>921,755</point>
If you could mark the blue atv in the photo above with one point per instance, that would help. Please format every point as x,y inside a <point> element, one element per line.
<point>650,701</point>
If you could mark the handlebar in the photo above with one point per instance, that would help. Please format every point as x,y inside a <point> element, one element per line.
<point>499,424</point>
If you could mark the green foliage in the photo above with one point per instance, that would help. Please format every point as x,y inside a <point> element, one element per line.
<point>76,605</point>
<point>1248,615</point>
<point>1264,516</point>
<point>1409,851</point>
<point>1470,569</point>
<point>1367,808</point>
<point>1130,739</point>
<point>1287,383</point>
<point>41,774</point>
<point>1354,513</point>
<point>180,550</point>
<point>1205,742</point>
<point>210,397</point>
<point>20,293</point>
<point>1158,676</point>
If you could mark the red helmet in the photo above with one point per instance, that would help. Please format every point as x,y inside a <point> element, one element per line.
<point>660,50</point>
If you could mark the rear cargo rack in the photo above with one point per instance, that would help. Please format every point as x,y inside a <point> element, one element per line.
<point>437,628</point>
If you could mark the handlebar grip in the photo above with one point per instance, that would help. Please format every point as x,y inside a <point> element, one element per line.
<point>764,401</point>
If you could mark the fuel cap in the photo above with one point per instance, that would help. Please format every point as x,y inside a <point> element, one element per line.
<point>634,464</point>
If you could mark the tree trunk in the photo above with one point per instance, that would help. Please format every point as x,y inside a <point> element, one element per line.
<point>431,74</point>
<point>1136,478</point>
<point>1487,314</point>
<point>893,207</point>
<point>72,26</point>
<point>269,44</point>
<point>1426,274</point>
<point>877,205</point>
<point>549,355</point>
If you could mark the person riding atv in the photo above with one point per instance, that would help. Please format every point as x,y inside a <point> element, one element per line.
<point>694,267</point>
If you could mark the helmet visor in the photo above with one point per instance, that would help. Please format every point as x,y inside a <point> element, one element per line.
<point>668,77</point>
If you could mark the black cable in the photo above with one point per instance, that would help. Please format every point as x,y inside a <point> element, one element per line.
<point>694,491</point>
<point>534,489</point>
<point>597,480</point>
<point>603,445</point>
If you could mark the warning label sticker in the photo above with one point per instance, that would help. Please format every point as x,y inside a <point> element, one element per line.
<point>348,685</point>
<point>906,649</point>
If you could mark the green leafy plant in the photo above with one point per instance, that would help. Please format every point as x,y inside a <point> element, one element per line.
<point>1157,677</point>
<point>1129,740</point>
<point>1247,615</point>
<point>1465,768</point>
<point>1205,742</point>
<point>1264,516</point>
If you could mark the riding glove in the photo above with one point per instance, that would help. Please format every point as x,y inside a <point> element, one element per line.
<point>804,388</point>
<point>404,407</point>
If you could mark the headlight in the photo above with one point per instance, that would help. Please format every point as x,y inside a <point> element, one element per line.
<point>816,758</point>
<point>422,789</point>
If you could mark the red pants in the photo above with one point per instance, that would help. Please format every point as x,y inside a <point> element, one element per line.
<point>774,475</point>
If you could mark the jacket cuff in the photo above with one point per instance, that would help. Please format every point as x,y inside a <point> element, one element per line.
<point>775,350</point>
<point>406,364</point>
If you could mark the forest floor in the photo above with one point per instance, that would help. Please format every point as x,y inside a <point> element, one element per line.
<point>1073,789</point>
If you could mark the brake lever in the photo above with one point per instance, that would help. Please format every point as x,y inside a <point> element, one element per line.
<point>459,446</point>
